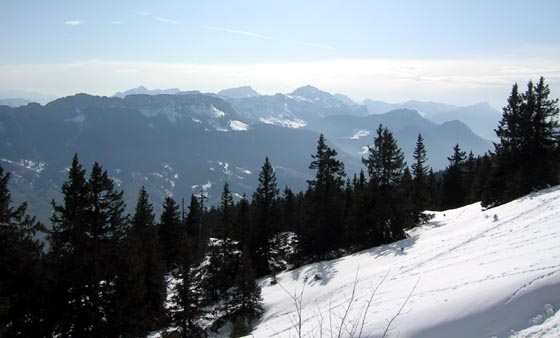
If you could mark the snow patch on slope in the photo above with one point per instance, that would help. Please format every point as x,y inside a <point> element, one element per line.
<point>295,123</point>
<point>217,112</point>
<point>37,167</point>
<point>359,134</point>
<point>238,125</point>
<point>480,273</point>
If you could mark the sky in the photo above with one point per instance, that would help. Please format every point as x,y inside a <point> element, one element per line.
<point>446,51</point>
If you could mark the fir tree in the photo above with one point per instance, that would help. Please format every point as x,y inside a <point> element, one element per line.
<point>247,294</point>
<point>170,231</point>
<point>526,157</point>
<point>420,198</point>
<point>243,222</point>
<point>193,226</point>
<point>145,290</point>
<point>324,221</point>
<point>222,257</point>
<point>453,180</point>
<point>264,218</point>
<point>385,164</point>
<point>406,201</point>
<point>87,231</point>
<point>22,290</point>
<point>187,309</point>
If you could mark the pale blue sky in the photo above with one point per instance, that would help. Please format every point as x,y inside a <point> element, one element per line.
<point>71,46</point>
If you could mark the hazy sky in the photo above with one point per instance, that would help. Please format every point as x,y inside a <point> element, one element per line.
<point>451,51</point>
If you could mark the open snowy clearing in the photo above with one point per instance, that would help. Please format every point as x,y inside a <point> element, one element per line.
<point>469,273</point>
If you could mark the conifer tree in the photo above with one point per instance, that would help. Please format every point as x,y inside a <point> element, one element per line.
<point>170,231</point>
<point>324,221</point>
<point>22,290</point>
<point>526,157</point>
<point>420,198</point>
<point>469,179</point>
<point>453,194</point>
<point>406,200</point>
<point>144,293</point>
<point>243,222</point>
<point>222,257</point>
<point>433,191</point>
<point>264,218</point>
<point>193,226</point>
<point>87,231</point>
<point>187,309</point>
<point>247,298</point>
<point>385,164</point>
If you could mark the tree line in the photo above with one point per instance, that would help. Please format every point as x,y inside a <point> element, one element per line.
<point>103,273</point>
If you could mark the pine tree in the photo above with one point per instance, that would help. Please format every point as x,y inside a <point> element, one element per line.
<point>264,218</point>
<point>247,298</point>
<point>469,179</point>
<point>324,221</point>
<point>527,157</point>
<point>187,309</point>
<point>170,231</point>
<point>22,292</point>
<point>289,210</point>
<point>243,222</point>
<point>87,231</point>
<point>385,164</point>
<point>453,180</point>
<point>193,226</point>
<point>145,288</point>
<point>406,200</point>
<point>153,269</point>
<point>433,191</point>
<point>222,257</point>
<point>420,198</point>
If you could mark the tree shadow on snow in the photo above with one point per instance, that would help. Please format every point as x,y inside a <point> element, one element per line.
<point>399,248</point>
<point>320,273</point>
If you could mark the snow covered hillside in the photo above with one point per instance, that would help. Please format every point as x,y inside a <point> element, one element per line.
<point>468,273</point>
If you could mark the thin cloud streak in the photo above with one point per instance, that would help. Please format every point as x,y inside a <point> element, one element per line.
<point>239,32</point>
<point>266,37</point>
<point>316,45</point>
<point>73,22</point>
<point>141,13</point>
<point>167,20</point>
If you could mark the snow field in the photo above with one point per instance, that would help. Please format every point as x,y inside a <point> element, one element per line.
<point>477,274</point>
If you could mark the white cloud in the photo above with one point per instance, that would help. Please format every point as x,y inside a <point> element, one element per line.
<point>116,22</point>
<point>459,81</point>
<point>73,22</point>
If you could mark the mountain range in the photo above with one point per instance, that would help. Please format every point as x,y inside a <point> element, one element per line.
<point>188,142</point>
<point>480,117</point>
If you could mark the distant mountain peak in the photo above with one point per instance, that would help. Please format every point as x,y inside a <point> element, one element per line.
<point>309,91</point>
<point>145,91</point>
<point>239,92</point>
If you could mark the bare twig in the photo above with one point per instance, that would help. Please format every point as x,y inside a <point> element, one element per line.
<point>370,300</point>
<point>298,301</point>
<point>343,320</point>
<point>400,310</point>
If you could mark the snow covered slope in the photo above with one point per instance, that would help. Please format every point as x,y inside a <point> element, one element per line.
<point>477,274</point>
